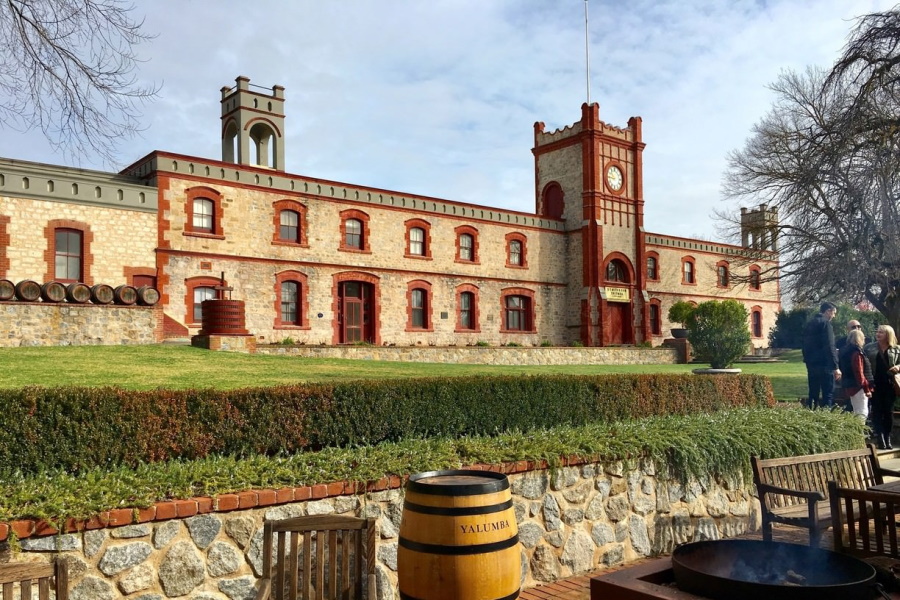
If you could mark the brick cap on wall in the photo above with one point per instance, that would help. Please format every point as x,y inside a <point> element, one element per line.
<point>173,509</point>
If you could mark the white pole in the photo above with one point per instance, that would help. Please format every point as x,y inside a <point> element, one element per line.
<point>587,53</point>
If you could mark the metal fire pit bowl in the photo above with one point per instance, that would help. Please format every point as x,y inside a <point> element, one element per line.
<point>754,570</point>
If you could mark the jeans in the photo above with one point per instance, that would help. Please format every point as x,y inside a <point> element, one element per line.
<point>820,379</point>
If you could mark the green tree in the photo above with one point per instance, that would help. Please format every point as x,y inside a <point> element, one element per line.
<point>719,332</point>
<point>788,330</point>
<point>680,312</point>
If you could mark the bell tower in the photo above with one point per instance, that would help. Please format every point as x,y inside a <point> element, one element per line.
<point>253,125</point>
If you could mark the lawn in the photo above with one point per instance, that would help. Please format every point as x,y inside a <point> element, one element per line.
<point>147,367</point>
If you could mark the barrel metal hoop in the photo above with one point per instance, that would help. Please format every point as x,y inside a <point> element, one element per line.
<point>512,596</point>
<point>457,511</point>
<point>443,549</point>
<point>500,482</point>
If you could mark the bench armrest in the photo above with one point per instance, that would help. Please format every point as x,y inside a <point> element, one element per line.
<point>812,496</point>
<point>889,472</point>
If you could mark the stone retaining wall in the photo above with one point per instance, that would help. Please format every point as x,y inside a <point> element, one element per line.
<point>629,355</point>
<point>65,324</point>
<point>571,520</point>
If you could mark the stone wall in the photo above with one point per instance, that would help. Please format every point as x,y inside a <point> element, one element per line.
<point>571,520</point>
<point>48,324</point>
<point>487,356</point>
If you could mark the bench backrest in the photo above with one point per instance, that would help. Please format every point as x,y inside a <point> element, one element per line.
<point>864,521</point>
<point>855,469</point>
<point>34,580</point>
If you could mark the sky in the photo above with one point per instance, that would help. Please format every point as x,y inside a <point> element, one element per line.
<point>439,97</point>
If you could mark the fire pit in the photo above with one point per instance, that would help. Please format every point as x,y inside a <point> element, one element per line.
<point>719,570</point>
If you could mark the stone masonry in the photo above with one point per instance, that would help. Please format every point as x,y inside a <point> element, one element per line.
<point>571,520</point>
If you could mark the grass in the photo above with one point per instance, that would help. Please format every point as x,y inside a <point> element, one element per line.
<point>179,367</point>
<point>695,446</point>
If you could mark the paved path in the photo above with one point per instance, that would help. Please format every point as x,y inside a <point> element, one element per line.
<point>578,588</point>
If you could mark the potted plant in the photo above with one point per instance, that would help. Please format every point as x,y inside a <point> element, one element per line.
<point>680,312</point>
<point>719,333</point>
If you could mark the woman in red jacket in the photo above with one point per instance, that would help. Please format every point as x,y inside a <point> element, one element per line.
<point>856,372</point>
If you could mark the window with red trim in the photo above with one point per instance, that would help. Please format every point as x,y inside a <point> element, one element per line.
<point>616,271</point>
<point>652,268</point>
<point>516,250</point>
<point>418,296</point>
<point>655,318</point>
<point>418,239</point>
<point>688,271</point>
<point>518,313</point>
<point>290,303</point>
<point>68,255</point>
<point>199,289</point>
<point>200,294</point>
<point>204,211</point>
<point>755,279</point>
<point>466,310</point>
<point>289,226</point>
<point>756,324</point>
<point>203,215</point>
<point>723,277</point>
<point>553,200</point>
<point>466,244</point>
<point>354,231</point>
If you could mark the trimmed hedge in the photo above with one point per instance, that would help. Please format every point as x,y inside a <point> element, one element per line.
<point>76,429</point>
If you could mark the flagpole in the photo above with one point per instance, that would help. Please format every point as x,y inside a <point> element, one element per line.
<point>587,53</point>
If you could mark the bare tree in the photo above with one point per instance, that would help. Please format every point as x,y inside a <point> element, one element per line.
<point>827,156</point>
<point>68,68</point>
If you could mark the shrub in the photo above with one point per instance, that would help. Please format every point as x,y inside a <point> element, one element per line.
<point>546,344</point>
<point>680,312</point>
<point>481,344</point>
<point>718,332</point>
<point>578,344</point>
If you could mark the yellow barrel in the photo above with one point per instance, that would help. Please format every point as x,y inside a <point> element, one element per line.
<point>458,538</point>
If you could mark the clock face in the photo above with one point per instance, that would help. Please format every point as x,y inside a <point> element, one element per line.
<point>614,178</point>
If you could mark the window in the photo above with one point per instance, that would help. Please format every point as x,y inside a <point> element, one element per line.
<point>553,201</point>
<point>652,268</point>
<point>722,276</point>
<point>517,313</point>
<point>687,271</point>
<point>466,247</point>
<point>516,250</point>
<point>201,294</point>
<point>203,212</point>
<point>417,241</point>
<point>616,271</point>
<point>289,226</point>
<point>68,255</point>
<point>290,293</point>
<point>466,316</point>
<point>755,279</point>
<point>756,326</point>
<point>203,215</point>
<point>4,242</point>
<point>354,231</point>
<point>418,238</point>
<point>466,244</point>
<point>655,320</point>
<point>419,306</point>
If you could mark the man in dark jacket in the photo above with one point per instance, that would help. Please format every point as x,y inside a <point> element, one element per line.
<point>820,357</point>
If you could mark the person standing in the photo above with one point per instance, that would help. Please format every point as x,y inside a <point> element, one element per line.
<point>886,362</point>
<point>857,373</point>
<point>820,357</point>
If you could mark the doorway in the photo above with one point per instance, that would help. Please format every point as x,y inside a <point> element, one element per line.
<point>355,312</point>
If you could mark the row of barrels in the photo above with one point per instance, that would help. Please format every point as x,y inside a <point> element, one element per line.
<point>77,293</point>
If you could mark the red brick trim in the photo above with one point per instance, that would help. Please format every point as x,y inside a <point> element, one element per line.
<point>302,300</point>
<point>529,315</point>
<point>425,226</point>
<point>216,198</point>
<point>130,272</point>
<point>629,269</point>
<point>298,208</point>
<point>429,322</point>
<point>191,284</point>
<point>655,256</point>
<point>693,263</point>
<point>4,244</point>
<point>467,230</point>
<point>337,279</point>
<point>610,163</point>
<point>364,219</point>
<point>552,194</point>
<point>655,325</point>
<point>87,258</point>
<point>520,237</point>
<point>476,316</point>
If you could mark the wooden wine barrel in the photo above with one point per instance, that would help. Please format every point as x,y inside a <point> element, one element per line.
<point>125,294</point>
<point>28,291</point>
<point>53,291</point>
<point>7,290</point>
<point>102,294</point>
<point>223,317</point>
<point>78,293</point>
<point>458,538</point>
<point>147,295</point>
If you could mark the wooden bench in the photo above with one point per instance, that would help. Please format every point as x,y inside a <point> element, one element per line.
<point>34,580</point>
<point>794,490</point>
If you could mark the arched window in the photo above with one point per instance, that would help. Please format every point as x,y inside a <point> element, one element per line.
<point>655,318</point>
<point>756,324</point>
<point>68,256</point>
<point>688,275</point>
<point>203,215</point>
<point>289,226</point>
<point>516,251</point>
<point>418,238</point>
<point>204,212</point>
<point>755,278</point>
<point>200,294</point>
<point>466,244</point>
<point>354,231</point>
<point>418,296</point>
<point>291,302</point>
<point>722,275</point>
<point>517,313</point>
<point>467,310</point>
<point>417,241</point>
<point>616,271</point>
<point>289,223</point>
<point>290,307</point>
<point>553,202</point>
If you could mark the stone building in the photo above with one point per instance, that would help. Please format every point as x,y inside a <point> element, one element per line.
<point>324,262</point>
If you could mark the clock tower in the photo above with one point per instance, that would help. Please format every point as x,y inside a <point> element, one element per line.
<point>591,175</point>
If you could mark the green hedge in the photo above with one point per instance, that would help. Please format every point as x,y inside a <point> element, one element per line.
<point>75,429</point>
